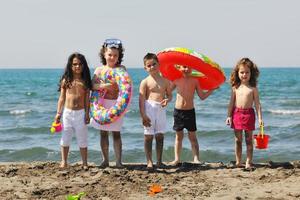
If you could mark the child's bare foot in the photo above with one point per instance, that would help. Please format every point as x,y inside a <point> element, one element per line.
<point>119,165</point>
<point>249,167</point>
<point>160,165</point>
<point>85,167</point>
<point>63,165</point>
<point>238,165</point>
<point>175,163</point>
<point>196,161</point>
<point>150,165</point>
<point>104,164</point>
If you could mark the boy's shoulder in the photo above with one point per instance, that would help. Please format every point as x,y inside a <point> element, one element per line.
<point>144,81</point>
<point>165,79</point>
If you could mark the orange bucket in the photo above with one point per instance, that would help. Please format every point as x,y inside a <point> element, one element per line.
<point>261,139</point>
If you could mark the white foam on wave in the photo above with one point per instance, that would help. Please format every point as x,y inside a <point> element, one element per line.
<point>285,112</point>
<point>19,112</point>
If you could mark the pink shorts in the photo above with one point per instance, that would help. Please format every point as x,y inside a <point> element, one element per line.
<point>243,119</point>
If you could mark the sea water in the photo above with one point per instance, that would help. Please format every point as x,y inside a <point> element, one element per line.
<point>28,102</point>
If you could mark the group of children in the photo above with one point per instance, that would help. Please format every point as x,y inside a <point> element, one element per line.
<point>155,92</point>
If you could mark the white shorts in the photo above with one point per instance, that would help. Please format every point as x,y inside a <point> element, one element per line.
<point>114,126</point>
<point>73,122</point>
<point>158,117</point>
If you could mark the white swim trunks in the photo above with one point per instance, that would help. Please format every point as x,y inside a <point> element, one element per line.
<point>157,115</point>
<point>73,122</point>
<point>115,126</point>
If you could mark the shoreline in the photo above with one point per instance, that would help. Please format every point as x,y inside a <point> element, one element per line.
<point>45,180</point>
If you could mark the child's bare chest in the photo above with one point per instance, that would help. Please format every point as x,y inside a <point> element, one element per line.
<point>77,88</point>
<point>156,86</point>
<point>244,92</point>
<point>244,97</point>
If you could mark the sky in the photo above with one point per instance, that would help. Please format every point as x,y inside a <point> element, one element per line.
<point>43,33</point>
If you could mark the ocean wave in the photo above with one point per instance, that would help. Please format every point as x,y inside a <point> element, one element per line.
<point>25,130</point>
<point>30,93</point>
<point>285,112</point>
<point>20,112</point>
<point>292,102</point>
<point>29,154</point>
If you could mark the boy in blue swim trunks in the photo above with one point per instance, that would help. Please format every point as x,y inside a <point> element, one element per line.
<point>184,112</point>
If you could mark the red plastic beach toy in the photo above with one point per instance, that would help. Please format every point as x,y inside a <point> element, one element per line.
<point>261,139</point>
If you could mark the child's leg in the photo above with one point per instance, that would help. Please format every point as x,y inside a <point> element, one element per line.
<point>194,146</point>
<point>148,149</point>
<point>83,152</point>
<point>117,147</point>
<point>81,132</point>
<point>104,143</point>
<point>65,142</point>
<point>159,137</point>
<point>249,143</point>
<point>238,147</point>
<point>178,147</point>
<point>64,156</point>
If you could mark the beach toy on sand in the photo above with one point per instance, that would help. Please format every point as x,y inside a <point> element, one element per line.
<point>261,139</point>
<point>75,197</point>
<point>104,115</point>
<point>56,127</point>
<point>209,74</point>
<point>155,188</point>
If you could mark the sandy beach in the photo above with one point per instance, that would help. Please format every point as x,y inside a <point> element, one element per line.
<point>45,180</point>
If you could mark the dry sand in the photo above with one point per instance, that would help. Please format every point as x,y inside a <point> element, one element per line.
<point>44,180</point>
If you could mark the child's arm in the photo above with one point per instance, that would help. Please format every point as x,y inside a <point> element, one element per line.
<point>165,101</point>
<point>61,102</point>
<point>173,85</point>
<point>230,107</point>
<point>100,85</point>
<point>203,95</point>
<point>142,98</point>
<point>87,106</point>
<point>257,106</point>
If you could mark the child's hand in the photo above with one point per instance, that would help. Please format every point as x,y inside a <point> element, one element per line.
<point>228,121</point>
<point>113,87</point>
<point>146,121</point>
<point>164,102</point>
<point>87,118</point>
<point>57,118</point>
<point>260,122</point>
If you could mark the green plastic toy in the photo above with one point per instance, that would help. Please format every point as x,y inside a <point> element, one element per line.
<point>75,197</point>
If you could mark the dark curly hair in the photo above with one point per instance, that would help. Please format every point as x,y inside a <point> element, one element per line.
<point>234,77</point>
<point>103,50</point>
<point>67,77</point>
<point>150,56</point>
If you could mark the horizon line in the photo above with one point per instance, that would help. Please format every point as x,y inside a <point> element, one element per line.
<point>141,67</point>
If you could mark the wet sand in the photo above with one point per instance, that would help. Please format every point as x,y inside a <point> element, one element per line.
<point>45,180</point>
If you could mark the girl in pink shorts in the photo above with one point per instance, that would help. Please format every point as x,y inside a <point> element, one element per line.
<point>241,115</point>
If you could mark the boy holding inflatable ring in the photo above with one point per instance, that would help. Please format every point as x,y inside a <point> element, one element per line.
<point>154,95</point>
<point>184,112</point>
